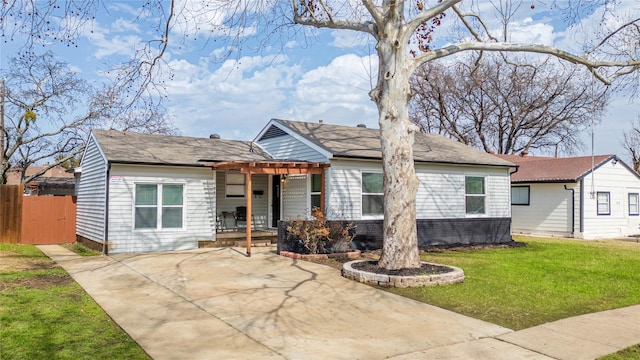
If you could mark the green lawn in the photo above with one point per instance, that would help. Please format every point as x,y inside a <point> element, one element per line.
<point>547,280</point>
<point>44,314</point>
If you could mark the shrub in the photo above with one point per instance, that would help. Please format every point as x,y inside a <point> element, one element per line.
<point>319,236</point>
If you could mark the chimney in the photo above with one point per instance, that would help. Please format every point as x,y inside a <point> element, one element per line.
<point>361,126</point>
<point>524,153</point>
<point>214,136</point>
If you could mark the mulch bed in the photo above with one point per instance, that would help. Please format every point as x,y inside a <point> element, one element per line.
<point>425,269</point>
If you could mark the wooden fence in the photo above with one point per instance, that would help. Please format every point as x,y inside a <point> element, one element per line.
<point>36,219</point>
<point>10,213</point>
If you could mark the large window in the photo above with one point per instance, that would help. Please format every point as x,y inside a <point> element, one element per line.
<point>372,194</point>
<point>316,188</point>
<point>159,206</point>
<point>604,203</point>
<point>474,195</point>
<point>634,198</point>
<point>520,195</point>
<point>236,185</point>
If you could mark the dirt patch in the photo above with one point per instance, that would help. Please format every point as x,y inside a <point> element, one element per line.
<point>36,282</point>
<point>10,261</point>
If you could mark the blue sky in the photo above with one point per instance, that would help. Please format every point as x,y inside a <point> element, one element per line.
<point>326,78</point>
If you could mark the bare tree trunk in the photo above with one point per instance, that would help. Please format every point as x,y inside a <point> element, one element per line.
<point>392,94</point>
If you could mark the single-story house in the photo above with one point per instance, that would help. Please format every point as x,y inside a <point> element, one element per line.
<point>583,197</point>
<point>142,192</point>
<point>56,181</point>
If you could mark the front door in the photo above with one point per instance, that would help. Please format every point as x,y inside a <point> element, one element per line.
<point>275,200</point>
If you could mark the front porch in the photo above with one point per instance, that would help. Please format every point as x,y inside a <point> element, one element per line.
<point>262,237</point>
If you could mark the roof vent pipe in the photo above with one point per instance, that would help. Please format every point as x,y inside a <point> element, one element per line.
<point>524,153</point>
<point>361,126</point>
<point>214,136</point>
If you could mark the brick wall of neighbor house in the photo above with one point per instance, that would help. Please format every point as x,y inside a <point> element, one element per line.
<point>431,232</point>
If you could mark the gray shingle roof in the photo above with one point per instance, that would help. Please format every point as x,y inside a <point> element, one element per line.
<point>358,142</point>
<point>137,148</point>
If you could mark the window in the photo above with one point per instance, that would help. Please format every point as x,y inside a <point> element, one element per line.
<point>604,203</point>
<point>372,194</point>
<point>633,204</point>
<point>316,187</point>
<point>158,206</point>
<point>520,195</point>
<point>474,194</point>
<point>235,185</point>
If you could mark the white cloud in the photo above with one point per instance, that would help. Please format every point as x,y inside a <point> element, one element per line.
<point>350,39</point>
<point>235,101</point>
<point>527,31</point>
<point>338,92</point>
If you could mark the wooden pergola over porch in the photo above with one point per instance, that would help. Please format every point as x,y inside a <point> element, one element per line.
<point>271,168</point>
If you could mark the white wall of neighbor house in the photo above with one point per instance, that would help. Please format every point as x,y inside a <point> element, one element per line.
<point>92,194</point>
<point>199,208</point>
<point>548,211</point>
<point>618,181</point>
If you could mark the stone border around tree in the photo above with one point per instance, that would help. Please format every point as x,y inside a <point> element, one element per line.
<point>455,276</point>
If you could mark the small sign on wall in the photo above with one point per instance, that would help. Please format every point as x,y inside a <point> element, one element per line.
<point>116,179</point>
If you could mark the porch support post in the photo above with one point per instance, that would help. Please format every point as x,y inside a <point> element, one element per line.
<point>249,212</point>
<point>324,211</point>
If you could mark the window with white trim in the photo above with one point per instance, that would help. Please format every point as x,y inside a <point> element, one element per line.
<point>316,190</point>
<point>372,194</point>
<point>634,199</point>
<point>604,203</point>
<point>235,185</point>
<point>159,206</point>
<point>520,195</point>
<point>474,195</point>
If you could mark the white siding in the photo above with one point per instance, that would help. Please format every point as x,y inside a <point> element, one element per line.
<point>259,203</point>
<point>295,197</point>
<point>91,202</point>
<point>441,192</point>
<point>288,148</point>
<point>548,212</point>
<point>199,212</point>
<point>619,181</point>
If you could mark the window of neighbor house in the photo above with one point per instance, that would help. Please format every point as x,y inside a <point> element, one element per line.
<point>159,206</point>
<point>372,194</point>
<point>235,185</point>
<point>634,198</point>
<point>604,203</point>
<point>520,195</point>
<point>316,187</point>
<point>474,195</point>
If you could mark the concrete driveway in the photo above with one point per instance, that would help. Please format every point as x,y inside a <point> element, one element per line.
<point>219,304</point>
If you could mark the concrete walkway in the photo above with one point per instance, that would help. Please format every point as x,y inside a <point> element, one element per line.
<point>217,303</point>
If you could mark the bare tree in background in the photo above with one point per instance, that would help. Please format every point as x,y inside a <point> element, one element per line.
<point>631,142</point>
<point>406,34</point>
<point>505,108</point>
<point>50,110</point>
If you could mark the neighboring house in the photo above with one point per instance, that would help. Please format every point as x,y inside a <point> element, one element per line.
<point>56,181</point>
<point>153,192</point>
<point>582,197</point>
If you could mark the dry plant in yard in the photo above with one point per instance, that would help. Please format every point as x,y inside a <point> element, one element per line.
<point>321,236</point>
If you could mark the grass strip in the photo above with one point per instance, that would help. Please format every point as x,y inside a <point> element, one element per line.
<point>45,314</point>
<point>548,280</point>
